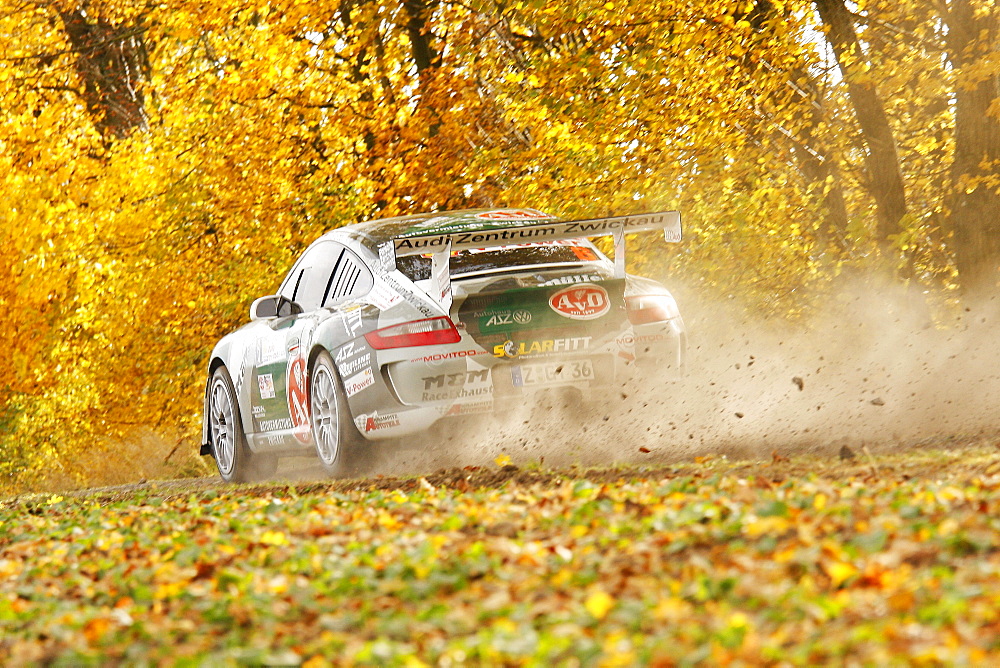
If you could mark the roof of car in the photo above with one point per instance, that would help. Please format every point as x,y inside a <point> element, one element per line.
<point>375,232</point>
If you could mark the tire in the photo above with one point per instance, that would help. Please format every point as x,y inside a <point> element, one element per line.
<point>233,457</point>
<point>339,446</point>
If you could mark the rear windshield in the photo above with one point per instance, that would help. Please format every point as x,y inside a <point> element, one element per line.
<point>481,260</point>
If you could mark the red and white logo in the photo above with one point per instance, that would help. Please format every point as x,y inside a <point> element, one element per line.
<point>584,301</point>
<point>298,404</point>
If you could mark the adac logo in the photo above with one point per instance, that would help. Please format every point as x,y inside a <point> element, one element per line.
<point>581,302</point>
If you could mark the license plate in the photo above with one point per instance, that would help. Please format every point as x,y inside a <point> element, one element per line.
<point>552,373</point>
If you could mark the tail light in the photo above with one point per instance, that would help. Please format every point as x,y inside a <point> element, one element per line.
<point>428,332</point>
<point>643,309</point>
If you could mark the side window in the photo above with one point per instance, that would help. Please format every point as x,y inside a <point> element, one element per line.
<point>350,279</point>
<point>291,284</point>
<point>310,279</point>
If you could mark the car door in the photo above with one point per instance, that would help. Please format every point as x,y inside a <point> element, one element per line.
<point>279,392</point>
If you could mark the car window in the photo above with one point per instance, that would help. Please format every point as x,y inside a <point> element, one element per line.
<point>350,278</point>
<point>310,279</point>
<point>291,283</point>
<point>569,251</point>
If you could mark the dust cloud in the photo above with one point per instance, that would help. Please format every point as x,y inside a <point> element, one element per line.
<point>872,369</point>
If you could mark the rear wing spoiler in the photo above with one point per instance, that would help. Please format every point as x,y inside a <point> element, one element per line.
<point>440,246</point>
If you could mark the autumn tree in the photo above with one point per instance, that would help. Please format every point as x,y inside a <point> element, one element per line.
<point>974,204</point>
<point>163,164</point>
<point>885,179</point>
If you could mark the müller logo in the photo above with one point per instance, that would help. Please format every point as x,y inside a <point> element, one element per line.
<point>584,301</point>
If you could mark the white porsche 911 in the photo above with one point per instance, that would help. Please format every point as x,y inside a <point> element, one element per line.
<point>383,328</point>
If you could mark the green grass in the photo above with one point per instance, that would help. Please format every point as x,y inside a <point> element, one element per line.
<point>879,561</point>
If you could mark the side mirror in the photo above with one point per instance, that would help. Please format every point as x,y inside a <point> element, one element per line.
<point>273,306</point>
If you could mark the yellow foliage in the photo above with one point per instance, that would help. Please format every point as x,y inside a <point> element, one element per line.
<point>129,256</point>
<point>599,603</point>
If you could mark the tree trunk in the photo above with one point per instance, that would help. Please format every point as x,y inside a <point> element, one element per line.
<point>419,31</point>
<point>112,62</point>
<point>426,59</point>
<point>881,159</point>
<point>974,207</point>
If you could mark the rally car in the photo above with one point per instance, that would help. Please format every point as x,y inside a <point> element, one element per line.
<point>381,329</point>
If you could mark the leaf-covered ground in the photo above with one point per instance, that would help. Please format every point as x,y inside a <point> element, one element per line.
<point>884,560</point>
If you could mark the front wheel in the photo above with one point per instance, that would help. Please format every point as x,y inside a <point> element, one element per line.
<point>233,457</point>
<point>338,444</point>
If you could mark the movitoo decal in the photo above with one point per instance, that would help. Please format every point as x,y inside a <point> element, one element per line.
<point>585,301</point>
<point>440,357</point>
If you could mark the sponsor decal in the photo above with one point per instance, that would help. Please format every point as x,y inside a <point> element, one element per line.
<point>352,320</point>
<point>496,238</point>
<point>353,366</point>
<point>470,408</point>
<point>457,393</point>
<point>276,424</point>
<point>258,411</point>
<point>515,214</point>
<point>569,280</point>
<point>544,347</point>
<point>265,383</point>
<point>268,351</point>
<point>568,243</point>
<point>346,352</point>
<point>439,357</point>
<point>630,339</point>
<point>581,302</point>
<point>383,297</point>
<point>668,221</point>
<point>358,382</point>
<point>298,402</point>
<point>374,422</point>
<point>517,317</point>
<point>411,299</point>
<point>273,439</point>
<point>456,379</point>
<point>387,257</point>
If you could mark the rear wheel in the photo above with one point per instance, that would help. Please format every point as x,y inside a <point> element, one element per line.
<point>338,444</point>
<point>233,457</point>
